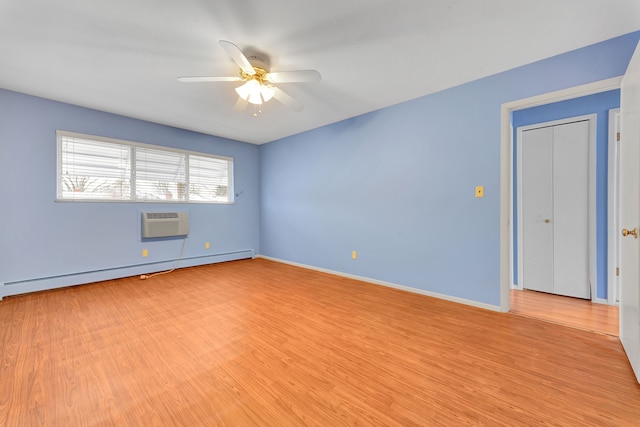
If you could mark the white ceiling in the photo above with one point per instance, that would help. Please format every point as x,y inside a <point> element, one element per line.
<point>123,56</point>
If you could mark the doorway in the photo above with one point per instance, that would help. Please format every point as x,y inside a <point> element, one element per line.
<point>507,165</point>
<point>585,310</point>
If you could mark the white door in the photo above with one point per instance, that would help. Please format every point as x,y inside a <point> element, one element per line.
<point>630,212</point>
<point>554,194</point>
<point>536,189</point>
<point>571,210</point>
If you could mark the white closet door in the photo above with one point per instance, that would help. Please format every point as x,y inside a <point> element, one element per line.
<point>571,209</point>
<point>554,173</point>
<point>537,209</point>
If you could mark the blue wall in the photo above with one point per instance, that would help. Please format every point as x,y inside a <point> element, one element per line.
<point>599,104</point>
<point>397,185</point>
<point>46,244</point>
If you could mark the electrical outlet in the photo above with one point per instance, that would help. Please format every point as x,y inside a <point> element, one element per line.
<point>354,254</point>
<point>145,252</point>
<point>480,191</point>
<point>207,245</point>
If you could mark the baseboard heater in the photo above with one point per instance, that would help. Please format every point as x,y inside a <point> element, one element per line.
<point>164,224</point>
<point>43,283</point>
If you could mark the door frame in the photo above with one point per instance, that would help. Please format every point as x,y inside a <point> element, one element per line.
<point>613,206</point>
<point>591,186</point>
<point>506,165</point>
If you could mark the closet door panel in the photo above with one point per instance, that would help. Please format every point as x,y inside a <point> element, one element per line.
<point>571,209</point>
<point>537,209</point>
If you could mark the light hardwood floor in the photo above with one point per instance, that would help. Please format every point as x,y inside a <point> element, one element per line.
<point>573,312</point>
<point>254,342</point>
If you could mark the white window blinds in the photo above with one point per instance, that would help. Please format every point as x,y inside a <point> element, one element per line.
<point>93,170</point>
<point>160,175</point>
<point>208,179</point>
<point>99,169</point>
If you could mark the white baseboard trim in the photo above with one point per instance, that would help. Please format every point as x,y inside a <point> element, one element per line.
<point>387,284</point>
<point>72,279</point>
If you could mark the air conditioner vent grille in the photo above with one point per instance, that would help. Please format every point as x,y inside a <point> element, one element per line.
<point>162,215</point>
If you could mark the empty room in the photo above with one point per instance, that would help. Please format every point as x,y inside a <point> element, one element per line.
<point>243,213</point>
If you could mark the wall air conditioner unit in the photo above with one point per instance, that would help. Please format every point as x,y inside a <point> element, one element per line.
<point>164,224</point>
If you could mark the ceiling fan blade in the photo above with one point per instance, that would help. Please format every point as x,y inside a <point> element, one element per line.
<point>196,79</point>
<point>238,57</point>
<point>287,100</point>
<point>300,76</point>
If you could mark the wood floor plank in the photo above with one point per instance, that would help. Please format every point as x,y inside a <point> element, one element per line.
<point>256,342</point>
<point>574,312</point>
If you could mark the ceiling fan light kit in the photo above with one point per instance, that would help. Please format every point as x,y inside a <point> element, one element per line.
<point>255,90</point>
<point>259,84</point>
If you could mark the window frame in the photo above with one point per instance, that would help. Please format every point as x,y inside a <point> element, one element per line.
<point>132,145</point>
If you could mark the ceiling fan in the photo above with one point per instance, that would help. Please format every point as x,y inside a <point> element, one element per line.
<point>259,82</point>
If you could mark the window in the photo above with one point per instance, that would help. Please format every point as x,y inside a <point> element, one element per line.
<point>92,168</point>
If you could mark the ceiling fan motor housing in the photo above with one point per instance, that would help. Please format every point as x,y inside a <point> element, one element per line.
<point>259,62</point>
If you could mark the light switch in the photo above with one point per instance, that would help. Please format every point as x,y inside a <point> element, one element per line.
<point>480,191</point>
